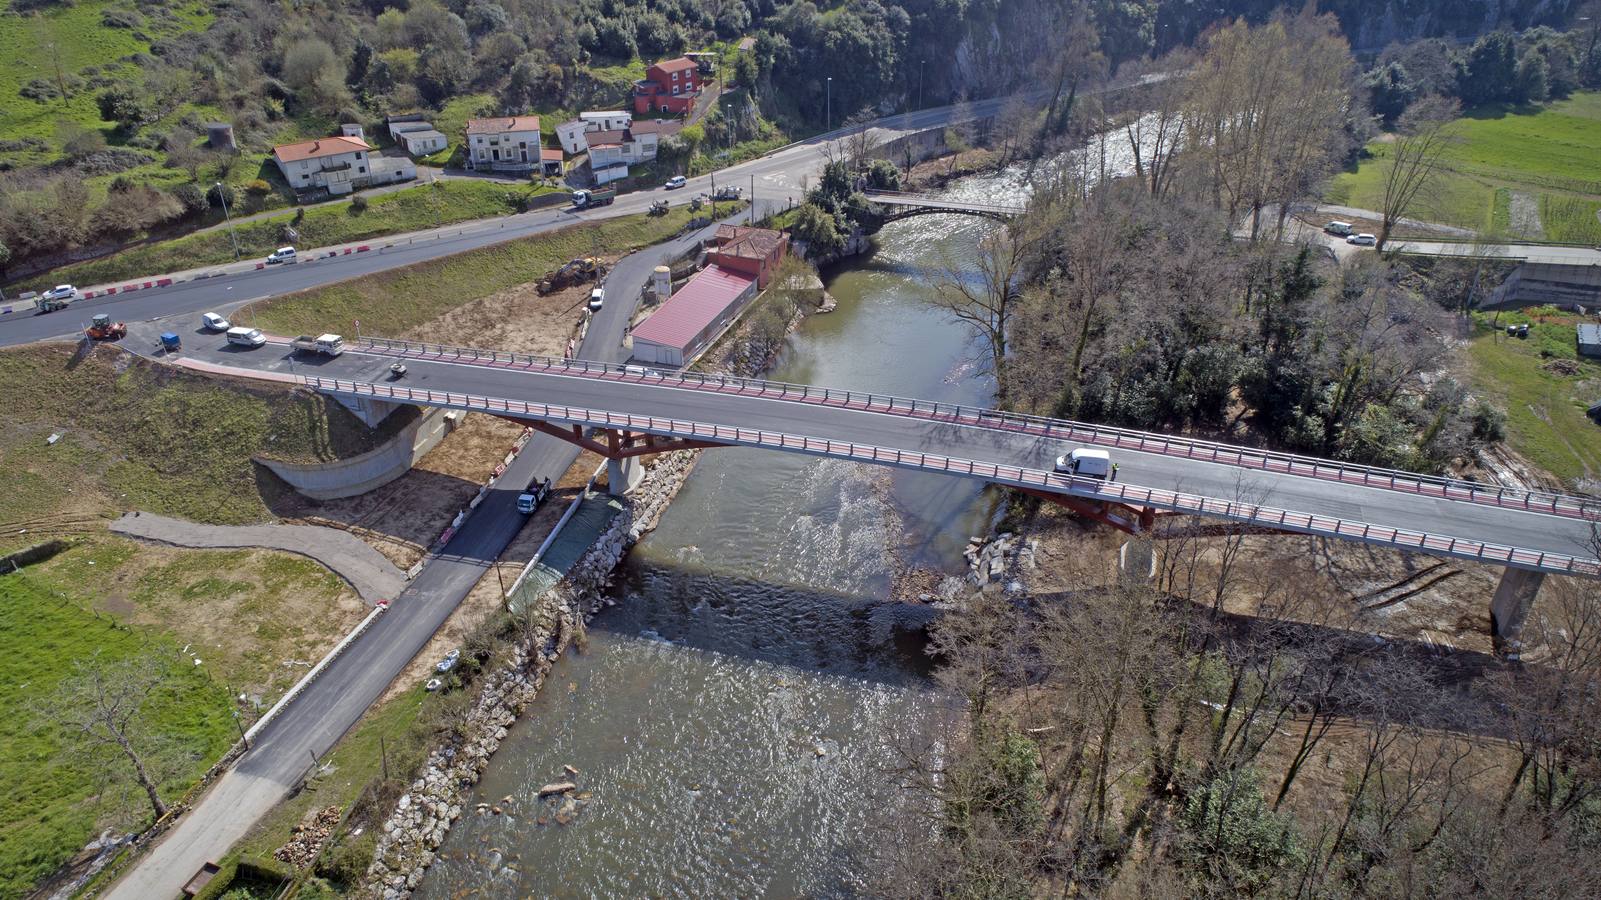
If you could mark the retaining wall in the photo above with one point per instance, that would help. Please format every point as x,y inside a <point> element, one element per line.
<point>370,470</point>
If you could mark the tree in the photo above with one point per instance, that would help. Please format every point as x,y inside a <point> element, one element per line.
<point>987,303</point>
<point>1489,72</point>
<point>1413,158</point>
<point>104,706</point>
<point>1390,91</point>
<point>817,228</point>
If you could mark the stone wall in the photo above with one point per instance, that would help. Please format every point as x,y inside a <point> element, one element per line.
<point>371,470</point>
<point>424,814</point>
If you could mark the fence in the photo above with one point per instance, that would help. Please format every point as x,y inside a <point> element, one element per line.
<point>1056,429</point>
<point>1016,476</point>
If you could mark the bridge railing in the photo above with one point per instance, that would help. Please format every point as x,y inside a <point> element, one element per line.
<point>1054,429</point>
<point>909,198</point>
<point>1131,494</point>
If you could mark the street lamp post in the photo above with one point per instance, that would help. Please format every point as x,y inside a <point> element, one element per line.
<point>222,198</point>
<point>829,94</point>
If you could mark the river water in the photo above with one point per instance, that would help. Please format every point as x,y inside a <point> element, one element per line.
<point>735,717</point>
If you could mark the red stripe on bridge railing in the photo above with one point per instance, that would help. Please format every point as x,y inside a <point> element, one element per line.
<point>1133,495</point>
<point>1056,429</point>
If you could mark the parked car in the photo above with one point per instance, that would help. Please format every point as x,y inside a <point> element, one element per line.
<point>597,299</point>
<point>214,322</point>
<point>1339,229</point>
<point>246,337</point>
<point>281,255</point>
<point>676,182</point>
<point>1086,463</point>
<point>1362,240</point>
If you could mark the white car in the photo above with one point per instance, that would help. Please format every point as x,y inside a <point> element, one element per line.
<point>677,181</point>
<point>597,299</point>
<point>61,292</point>
<point>281,255</point>
<point>214,322</point>
<point>1362,240</point>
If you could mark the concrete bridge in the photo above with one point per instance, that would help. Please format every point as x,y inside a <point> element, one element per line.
<point>902,205</point>
<point>623,413</point>
<point>1545,273</point>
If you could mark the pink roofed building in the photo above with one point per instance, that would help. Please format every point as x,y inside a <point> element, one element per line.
<point>694,317</point>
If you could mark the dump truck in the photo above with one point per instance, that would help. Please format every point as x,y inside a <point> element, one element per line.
<point>101,328</point>
<point>329,344</point>
<point>533,495</point>
<point>598,197</point>
<point>573,272</point>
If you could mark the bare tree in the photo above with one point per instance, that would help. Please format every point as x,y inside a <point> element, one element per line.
<point>105,706</point>
<point>1413,159</point>
<point>987,303</point>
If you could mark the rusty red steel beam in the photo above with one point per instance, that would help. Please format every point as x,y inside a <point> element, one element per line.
<point>619,444</point>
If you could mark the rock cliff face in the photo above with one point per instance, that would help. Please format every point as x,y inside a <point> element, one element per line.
<point>424,814</point>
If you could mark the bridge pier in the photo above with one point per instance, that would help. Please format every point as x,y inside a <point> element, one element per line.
<point>370,410</point>
<point>1136,560</point>
<point>623,474</point>
<point>1509,610</point>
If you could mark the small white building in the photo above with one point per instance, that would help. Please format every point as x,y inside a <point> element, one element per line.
<point>338,165</point>
<point>607,120</point>
<point>504,144</point>
<point>423,141</point>
<point>571,136</point>
<point>629,145</point>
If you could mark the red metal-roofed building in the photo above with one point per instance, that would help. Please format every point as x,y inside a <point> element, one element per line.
<point>669,86</point>
<point>692,318</point>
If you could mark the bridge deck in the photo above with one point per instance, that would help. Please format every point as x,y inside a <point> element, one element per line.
<point>1543,532</point>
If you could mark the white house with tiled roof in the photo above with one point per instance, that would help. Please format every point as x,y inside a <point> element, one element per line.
<point>503,144</point>
<point>338,165</point>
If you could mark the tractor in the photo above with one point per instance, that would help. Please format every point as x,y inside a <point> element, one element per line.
<point>577,271</point>
<point>103,329</point>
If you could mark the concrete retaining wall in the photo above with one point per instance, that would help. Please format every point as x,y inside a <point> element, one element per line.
<point>370,470</point>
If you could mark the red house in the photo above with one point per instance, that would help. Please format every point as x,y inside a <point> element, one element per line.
<point>670,86</point>
<point>755,252</point>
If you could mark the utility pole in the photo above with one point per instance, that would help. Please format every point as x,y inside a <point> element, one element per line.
<point>829,94</point>
<point>222,198</point>
<point>753,198</point>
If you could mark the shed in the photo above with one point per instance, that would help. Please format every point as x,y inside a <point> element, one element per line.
<point>692,318</point>
<point>1590,340</point>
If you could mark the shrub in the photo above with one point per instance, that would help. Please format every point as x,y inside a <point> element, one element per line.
<point>221,193</point>
<point>359,203</point>
<point>192,198</point>
<point>258,188</point>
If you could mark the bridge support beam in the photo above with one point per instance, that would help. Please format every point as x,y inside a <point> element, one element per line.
<point>1509,610</point>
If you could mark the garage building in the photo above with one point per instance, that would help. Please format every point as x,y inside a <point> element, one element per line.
<point>692,318</point>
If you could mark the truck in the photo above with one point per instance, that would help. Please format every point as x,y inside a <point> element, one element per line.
<point>598,197</point>
<point>728,192</point>
<point>330,344</point>
<point>533,495</point>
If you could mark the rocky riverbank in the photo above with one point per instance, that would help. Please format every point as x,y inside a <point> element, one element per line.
<point>424,814</point>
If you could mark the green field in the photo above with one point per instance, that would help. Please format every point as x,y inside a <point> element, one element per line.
<point>51,806</point>
<point>1552,153</point>
<point>1545,409</point>
<point>394,302</point>
<point>414,209</point>
<point>148,437</point>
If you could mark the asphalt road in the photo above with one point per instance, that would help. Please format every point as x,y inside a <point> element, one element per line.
<point>1298,493</point>
<point>331,705</point>
<point>778,178</point>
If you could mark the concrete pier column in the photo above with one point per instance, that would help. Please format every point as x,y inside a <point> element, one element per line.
<point>1136,560</point>
<point>622,475</point>
<point>370,410</point>
<point>1514,597</point>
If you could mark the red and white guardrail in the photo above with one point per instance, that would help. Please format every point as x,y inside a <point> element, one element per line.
<point>1452,489</point>
<point>1017,476</point>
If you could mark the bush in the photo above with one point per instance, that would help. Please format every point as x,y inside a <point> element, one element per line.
<point>223,193</point>
<point>191,197</point>
<point>258,188</point>
<point>359,203</point>
<point>346,864</point>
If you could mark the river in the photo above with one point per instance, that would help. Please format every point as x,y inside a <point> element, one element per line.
<point>735,716</point>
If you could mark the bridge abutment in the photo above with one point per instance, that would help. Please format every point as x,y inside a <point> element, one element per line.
<point>1509,610</point>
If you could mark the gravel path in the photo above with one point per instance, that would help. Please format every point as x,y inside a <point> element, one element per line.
<point>352,559</point>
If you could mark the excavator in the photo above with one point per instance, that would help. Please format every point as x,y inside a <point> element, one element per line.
<point>101,328</point>
<point>577,271</point>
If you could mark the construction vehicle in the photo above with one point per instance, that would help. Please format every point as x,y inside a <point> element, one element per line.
<point>574,272</point>
<point>659,208</point>
<point>728,192</point>
<point>587,199</point>
<point>101,328</point>
<point>330,344</point>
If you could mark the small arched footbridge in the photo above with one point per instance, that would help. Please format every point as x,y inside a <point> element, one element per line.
<point>901,205</point>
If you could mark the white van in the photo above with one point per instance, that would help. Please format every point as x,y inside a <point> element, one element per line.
<point>1086,463</point>
<point>597,299</point>
<point>281,255</point>
<point>246,337</point>
<point>1339,229</point>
